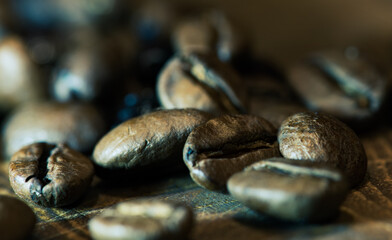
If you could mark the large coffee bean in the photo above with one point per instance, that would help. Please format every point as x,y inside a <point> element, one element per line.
<point>347,87</point>
<point>19,77</point>
<point>50,175</point>
<point>151,140</point>
<point>78,125</point>
<point>177,88</point>
<point>17,220</point>
<point>225,145</point>
<point>143,220</point>
<point>290,189</point>
<point>323,138</point>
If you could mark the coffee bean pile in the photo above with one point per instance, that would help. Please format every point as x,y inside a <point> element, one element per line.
<point>84,88</point>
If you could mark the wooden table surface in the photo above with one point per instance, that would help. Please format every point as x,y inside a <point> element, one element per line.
<point>284,31</point>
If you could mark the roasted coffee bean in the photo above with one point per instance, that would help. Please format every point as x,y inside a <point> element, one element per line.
<point>290,189</point>
<point>322,138</point>
<point>143,220</point>
<point>347,87</point>
<point>78,125</point>
<point>17,220</point>
<point>20,79</point>
<point>210,71</point>
<point>91,64</point>
<point>210,32</point>
<point>229,42</point>
<point>153,140</point>
<point>177,88</point>
<point>50,175</point>
<point>225,145</point>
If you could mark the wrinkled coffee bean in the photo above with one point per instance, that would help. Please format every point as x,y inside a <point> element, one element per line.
<point>290,189</point>
<point>78,125</point>
<point>347,87</point>
<point>50,175</point>
<point>271,99</point>
<point>152,140</point>
<point>322,138</point>
<point>143,220</point>
<point>20,80</point>
<point>225,145</point>
<point>177,88</point>
<point>17,220</point>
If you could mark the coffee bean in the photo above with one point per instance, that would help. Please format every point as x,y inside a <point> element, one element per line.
<point>225,145</point>
<point>20,80</point>
<point>209,70</point>
<point>143,220</point>
<point>50,175</point>
<point>322,138</point>
<point>78,125</point>
<point>17,220</point>
<point>349,88</point>
<point>290,189</point>
<point>177,88</point>
<point>152,140</point>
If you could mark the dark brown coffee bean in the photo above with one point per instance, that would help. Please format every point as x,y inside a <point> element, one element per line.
<point>225,145</point>
<point>78,125</point>
<point>152,140</point>
<point>50,175</point>
<point>17,220</point>
<point>19,77</point>
<point>323,138</point>
<point>290,189</point>
<point>346,87</point>
<point>177,88</point>
<point>143,220</point>
<point>209,70</point>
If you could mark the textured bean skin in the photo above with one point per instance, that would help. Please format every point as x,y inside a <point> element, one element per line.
<point>290,190</point>
<point>322,138</point>
<point>49,175</point>
<point>143,220</point>
<point>154,139</point>
<point>225,145</point>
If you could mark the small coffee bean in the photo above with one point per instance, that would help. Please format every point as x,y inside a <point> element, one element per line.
<point>225,145</point>
<point>229,42</point>
<point>151,140</point>
<point>177,88</point>
<point>78,125</point>
<point>347,87</point>
<point>209,70</point>
<point>143,220</point>
<point>50,175</point>
<point>20,80</point>
<point>322,138</point>
<point>17,220</point>
<point>290,189</point>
